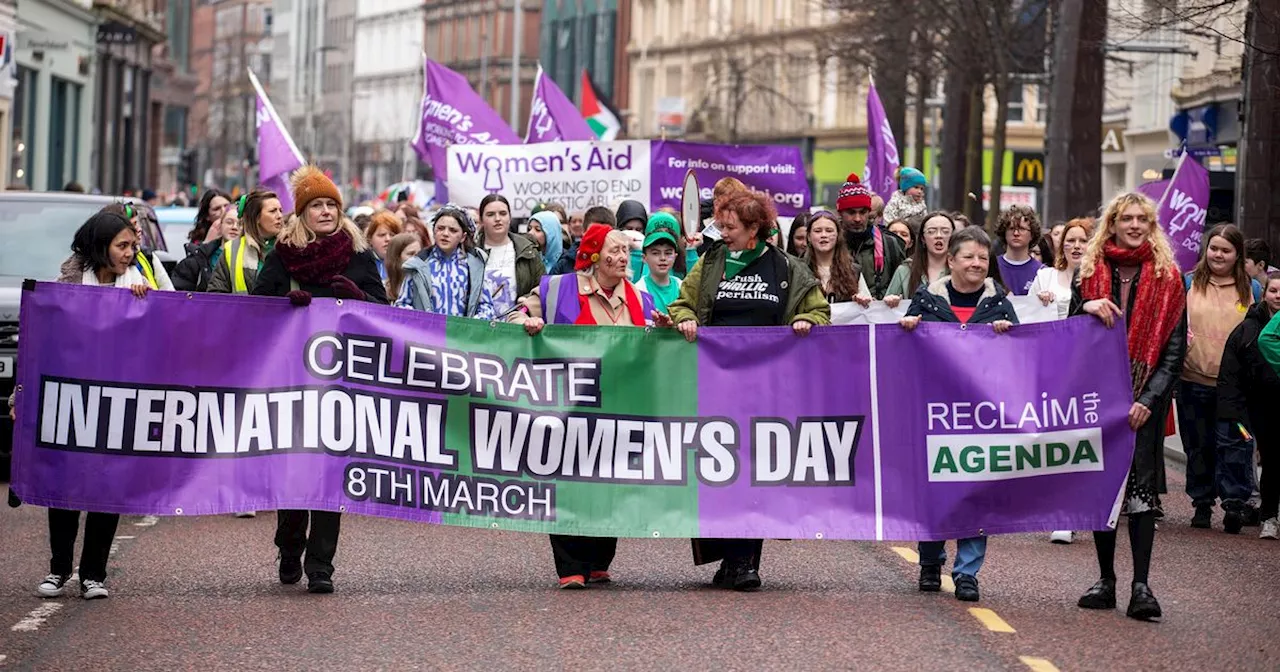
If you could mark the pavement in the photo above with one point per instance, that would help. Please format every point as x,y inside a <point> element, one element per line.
<point>200,593</point>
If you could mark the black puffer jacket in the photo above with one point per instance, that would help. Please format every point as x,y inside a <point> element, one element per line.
<point>932,303</point>
<point>1248,387</point>
<point>192,273</point>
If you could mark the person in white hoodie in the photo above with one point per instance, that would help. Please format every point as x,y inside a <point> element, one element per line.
<point>907,203</point>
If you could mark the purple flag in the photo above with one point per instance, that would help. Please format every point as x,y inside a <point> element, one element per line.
<point>552,116</point>
<point>882,149</point>
<point>1182,210</point>
<point>1154,190</point>
<point>454,114</point>
<point>938,433</point>
<point>277,155</point>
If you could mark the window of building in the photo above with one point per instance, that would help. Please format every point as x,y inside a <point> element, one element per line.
<point>645,102</point>
<point>675,20</point>
<point>1016,111</point>
<point>64,132</point>
<point>175,126</point>
<point>24,103</point>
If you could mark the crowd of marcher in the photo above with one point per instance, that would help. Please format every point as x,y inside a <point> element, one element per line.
<point>1209,337</point>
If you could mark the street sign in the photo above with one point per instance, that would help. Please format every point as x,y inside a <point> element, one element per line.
<point>1028,169</point>
<point>1195,152</point>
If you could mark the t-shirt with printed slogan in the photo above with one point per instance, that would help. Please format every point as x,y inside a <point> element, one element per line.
<point>753,298</point>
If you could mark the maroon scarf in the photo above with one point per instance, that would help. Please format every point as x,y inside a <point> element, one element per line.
<point>1157,308</point>
<point>319,262</point>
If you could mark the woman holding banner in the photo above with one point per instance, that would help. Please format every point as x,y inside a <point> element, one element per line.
<point>966,296</point>
<point>103,249</point>
<point>262,217</point>
<point>597,293</point>
<point>320,253</point>
<point>1129,271</point>
<point>723,290</point>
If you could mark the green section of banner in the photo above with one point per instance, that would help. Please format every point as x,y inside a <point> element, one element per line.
<point>627,388</point>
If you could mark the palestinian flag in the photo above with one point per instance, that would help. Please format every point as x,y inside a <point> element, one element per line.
<point>599,114</point>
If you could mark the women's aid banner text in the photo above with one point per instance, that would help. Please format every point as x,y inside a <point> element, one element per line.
<point>205,404</point>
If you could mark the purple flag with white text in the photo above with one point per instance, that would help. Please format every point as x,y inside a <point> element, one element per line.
<point>454,114</point>
<point>1182,209</point>
<point>552,116</point>
<point>882,149</point>
<point>277,155</point>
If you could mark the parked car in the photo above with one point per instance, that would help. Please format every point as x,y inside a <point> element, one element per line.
<point>37,228</point>
<point>175,225</point>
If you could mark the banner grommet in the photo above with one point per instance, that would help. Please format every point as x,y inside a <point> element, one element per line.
<point>339,302</point>
<point>493,526</point>
<point>342,509</point>
<point>189,295</point>
<point>656,534</point>
<point>177,511</point>
<point>818,536</point>
<point>493,324</point>
<point>964,327</point>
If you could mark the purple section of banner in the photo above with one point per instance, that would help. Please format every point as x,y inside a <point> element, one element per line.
<point>1154,190</point>
<point>882,149</point>
<point>741,376</point>
<point>454,114</point>
<point>775,170</point>
<point>1183,209</point>
<point>169,484</point>
<point>553,116</point>
<point>972,387</point>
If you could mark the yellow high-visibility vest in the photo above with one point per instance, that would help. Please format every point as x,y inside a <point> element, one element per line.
<point>233,252</point>
<point>145,266</point>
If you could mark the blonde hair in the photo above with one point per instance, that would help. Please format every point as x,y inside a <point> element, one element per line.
<point>1161,249</point>
<point>296,233</point>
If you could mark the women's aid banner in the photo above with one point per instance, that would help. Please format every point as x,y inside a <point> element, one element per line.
<point>205,404</point>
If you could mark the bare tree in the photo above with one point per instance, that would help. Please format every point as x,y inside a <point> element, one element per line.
<point>744,79</point>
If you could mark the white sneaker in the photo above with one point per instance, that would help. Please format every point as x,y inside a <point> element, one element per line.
<point>52,585</point>
<point>247,514</point>
<point>93,590</point>
<point>1062,537</point>
<point>1270,529</point>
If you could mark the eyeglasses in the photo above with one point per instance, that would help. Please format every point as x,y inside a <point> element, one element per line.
<point>1019,229</point>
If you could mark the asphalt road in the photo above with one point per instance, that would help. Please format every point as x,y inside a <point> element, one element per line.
<point>200,593</point>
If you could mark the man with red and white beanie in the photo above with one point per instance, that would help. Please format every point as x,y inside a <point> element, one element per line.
<point>877,254</point>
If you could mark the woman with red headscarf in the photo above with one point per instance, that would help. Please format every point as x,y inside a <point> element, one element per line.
<point>597,292</point>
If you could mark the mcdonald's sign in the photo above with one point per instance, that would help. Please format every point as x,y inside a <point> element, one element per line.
<point>1028,169</point>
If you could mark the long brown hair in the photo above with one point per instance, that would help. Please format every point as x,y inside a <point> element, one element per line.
<point>844,270</point>
<point>395,267</point>
<point>1200,277</point>
<point>253,204</point>
<point>920,260</point>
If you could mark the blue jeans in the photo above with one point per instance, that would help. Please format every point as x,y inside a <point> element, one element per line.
<point>1235,473</point>
<point>969,555</point>
<point>1198,420</point>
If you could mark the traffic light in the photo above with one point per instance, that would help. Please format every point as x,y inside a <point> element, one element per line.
<point>188,167</point>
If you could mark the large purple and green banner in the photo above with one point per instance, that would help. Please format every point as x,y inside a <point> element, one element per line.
<point>186,405</point>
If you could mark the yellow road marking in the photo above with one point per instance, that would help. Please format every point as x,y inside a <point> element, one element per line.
<point>912,557</point>
<point>1038,664</point>
<point>990,619</point>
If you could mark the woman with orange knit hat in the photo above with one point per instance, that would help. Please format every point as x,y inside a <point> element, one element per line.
<point>597,292</point>
<point>319,253</point>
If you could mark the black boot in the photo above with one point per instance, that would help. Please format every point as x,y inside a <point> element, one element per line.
<point>290,570</point>
<point>1232,521</point>
<point>740,575</point>
<point>1203,519</point>
<point>1101,596</point>
<point>1142,604</point>
<point>930,578</point>
<point>320,583</point>
<point>966,588</point>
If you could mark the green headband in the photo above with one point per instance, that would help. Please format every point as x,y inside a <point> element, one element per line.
<point>244,198</point>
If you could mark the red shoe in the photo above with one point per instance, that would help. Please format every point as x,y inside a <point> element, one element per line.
<point>599,576</point>
<point>575,582</point>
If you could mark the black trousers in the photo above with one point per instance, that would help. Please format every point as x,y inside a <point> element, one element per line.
<point>99,531</point>
<point>582,555</point>
<point>320,545</point>
<point>729,550</point>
